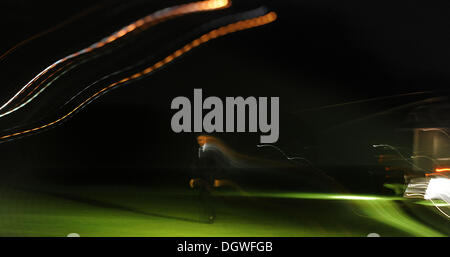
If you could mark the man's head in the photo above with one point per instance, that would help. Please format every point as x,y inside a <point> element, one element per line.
<point>201,140</point>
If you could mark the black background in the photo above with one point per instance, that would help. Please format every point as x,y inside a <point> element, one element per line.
<point>317,53</point>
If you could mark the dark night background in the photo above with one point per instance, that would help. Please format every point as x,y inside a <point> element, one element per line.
<point>317,53</point>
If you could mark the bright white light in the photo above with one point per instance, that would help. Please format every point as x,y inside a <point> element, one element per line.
<point>438,189</point>
<point>354,197</point>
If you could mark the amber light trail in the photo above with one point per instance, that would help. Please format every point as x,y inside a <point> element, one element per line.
<point>442,169</point>
<point>152,19</point>
<point>222,31</point>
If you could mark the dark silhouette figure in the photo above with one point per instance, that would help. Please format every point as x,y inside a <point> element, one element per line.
<point>207,170</point>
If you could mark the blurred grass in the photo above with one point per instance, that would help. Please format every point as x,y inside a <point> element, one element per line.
<point>134,211</point>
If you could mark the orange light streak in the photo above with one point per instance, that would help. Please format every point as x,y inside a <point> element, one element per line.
<point>152,19</point>
<point>442,169</point>
<point>222,31</point>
